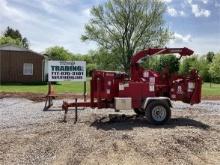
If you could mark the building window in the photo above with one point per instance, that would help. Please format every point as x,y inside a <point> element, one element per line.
<point>28,69</point>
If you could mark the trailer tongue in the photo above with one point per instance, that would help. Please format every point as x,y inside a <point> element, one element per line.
<point>146,91</point>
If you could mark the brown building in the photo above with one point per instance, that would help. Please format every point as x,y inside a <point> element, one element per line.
<point>21,65</point>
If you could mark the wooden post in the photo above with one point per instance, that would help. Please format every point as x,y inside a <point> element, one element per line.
<point>48,99</point>
<point>50,96</point>
<point>49,88</point>
<point>84,91</point>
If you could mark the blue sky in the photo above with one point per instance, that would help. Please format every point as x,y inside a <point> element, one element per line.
<point>194,23</point>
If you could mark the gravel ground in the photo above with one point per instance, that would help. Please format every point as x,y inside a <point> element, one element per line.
<point>30,136</point>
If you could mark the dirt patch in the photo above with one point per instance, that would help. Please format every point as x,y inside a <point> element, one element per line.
<point>211,97</point>
<point>38,97</point>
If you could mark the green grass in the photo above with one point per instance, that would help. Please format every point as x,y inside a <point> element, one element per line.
<point>214,90</point>
<point>62,87</point>
<point>77,87</point>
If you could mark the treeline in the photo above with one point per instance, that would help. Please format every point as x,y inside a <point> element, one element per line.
<point>207,65</point>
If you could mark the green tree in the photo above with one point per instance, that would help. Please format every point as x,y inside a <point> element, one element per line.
<point>90,67</point>
<point>88,58</point>
<point>9,40</point>
<point>214,69</point>
<point>16,35</point>
<point>58,53</point>
<point>169,61</point>
<point>125,26</point>
<point>151,62</point>
<point>201,64</point>
<point>104,60</point>
<point>203,69</point>
<point>210,56</point>
<point>188,63</point>
<point>158,63</point>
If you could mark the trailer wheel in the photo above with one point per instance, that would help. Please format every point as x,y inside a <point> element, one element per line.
<point>139,111</point>
<point>158,112</point>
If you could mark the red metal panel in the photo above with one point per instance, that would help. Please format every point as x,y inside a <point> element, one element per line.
<point>138,91</point>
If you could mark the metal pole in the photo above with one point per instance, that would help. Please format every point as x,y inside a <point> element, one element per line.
<point>76,111</point>
<point>65,115</point>
<point>92,92</point>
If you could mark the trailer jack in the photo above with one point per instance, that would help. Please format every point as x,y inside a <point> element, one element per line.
<point>66,109</point>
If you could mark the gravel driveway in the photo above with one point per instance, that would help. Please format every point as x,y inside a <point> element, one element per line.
<point>30,136</point>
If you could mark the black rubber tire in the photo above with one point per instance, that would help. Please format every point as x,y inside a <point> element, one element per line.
<point>139,111</point>
<point>150,107</point>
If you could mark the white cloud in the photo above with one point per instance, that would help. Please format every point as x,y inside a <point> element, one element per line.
<point>198,12</point>
<point>181,38</point>
<point>173,12</point>
<point>205,1</point>
<point>200,45</point>
<point>53,24</point>
<point>189,1</point>
<point>87,12</point>
<point>182,13</point>
<point>167,1</point>
<point>48,7</point>
<point>11,12</point>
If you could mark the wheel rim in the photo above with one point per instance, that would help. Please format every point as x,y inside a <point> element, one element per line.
<point>159,113</point>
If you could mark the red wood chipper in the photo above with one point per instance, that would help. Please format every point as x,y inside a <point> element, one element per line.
<point>146,91</point>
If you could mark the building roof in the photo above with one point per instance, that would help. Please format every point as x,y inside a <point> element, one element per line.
<point>11,47</point>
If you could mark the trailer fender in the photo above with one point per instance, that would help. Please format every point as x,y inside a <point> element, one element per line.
<point>150,99</point>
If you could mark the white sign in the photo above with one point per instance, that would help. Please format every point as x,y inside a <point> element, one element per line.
<point>66,71</point>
